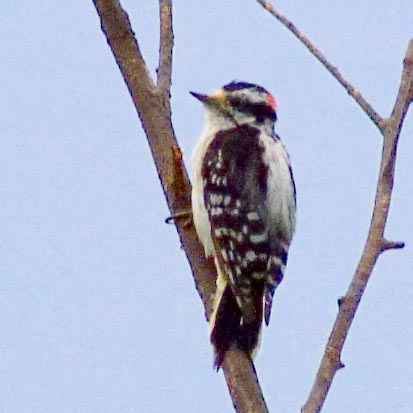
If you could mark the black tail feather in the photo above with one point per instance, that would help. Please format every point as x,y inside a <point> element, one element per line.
<point>228,329</point>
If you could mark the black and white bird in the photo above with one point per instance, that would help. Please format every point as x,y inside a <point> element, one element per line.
<point>243,204</point>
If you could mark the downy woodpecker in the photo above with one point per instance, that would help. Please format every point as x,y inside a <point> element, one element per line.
<point>243,204</point>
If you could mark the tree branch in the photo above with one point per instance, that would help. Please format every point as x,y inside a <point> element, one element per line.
<point>392,245</point>
<point>353,92</point>
<point>376,243</point>
<point>166,43</point>
<point>153,106</point>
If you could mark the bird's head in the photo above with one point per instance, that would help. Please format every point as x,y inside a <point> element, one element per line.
<point>240,102</point>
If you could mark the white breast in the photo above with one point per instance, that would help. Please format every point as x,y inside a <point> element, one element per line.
<point>200,214</point>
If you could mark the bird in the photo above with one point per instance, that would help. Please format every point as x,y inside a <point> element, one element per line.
<point>244,211</point>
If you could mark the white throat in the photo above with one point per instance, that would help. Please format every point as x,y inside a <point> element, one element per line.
<point>216,121</point>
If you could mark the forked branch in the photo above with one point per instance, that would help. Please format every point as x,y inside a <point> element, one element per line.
<point>376,243</point>
<point>152,103</point>
<point>351,90</point>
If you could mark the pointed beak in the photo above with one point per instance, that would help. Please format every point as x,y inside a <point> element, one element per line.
<point>216,98</point>
<point>201,97</point>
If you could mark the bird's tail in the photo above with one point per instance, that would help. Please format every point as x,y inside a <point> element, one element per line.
<point>230,327</point>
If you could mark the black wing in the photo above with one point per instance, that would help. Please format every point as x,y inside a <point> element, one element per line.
<point>235,188</point>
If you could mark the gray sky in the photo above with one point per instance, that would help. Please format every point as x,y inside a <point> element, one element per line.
<point>98,308</point>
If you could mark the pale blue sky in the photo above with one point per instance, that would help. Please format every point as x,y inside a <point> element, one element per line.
<point>98,308</point>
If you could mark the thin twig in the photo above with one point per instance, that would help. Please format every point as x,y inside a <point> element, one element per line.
<point>375,245</point>
<point>392,245</point>
<point>404,97</point>
<point>354,93</point>
<point>166,43</point>
<point>153,106</point>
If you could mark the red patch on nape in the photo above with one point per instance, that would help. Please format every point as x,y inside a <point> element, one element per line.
<point>271,102</point>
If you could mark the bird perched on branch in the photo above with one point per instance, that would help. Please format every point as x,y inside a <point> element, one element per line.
<point>243,205</point>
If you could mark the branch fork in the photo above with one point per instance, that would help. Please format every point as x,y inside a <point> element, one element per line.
<point>376,244</point>
<point>152,103</point>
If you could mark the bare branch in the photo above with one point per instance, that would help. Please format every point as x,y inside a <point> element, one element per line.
<point>405,95</point>
<point>392,245</point>
<point>166,42</point>
<point>153,106</point>
<point>375,245</point>
<point>116,26</point>
<point>237,370</point>
<point>354,93</point>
